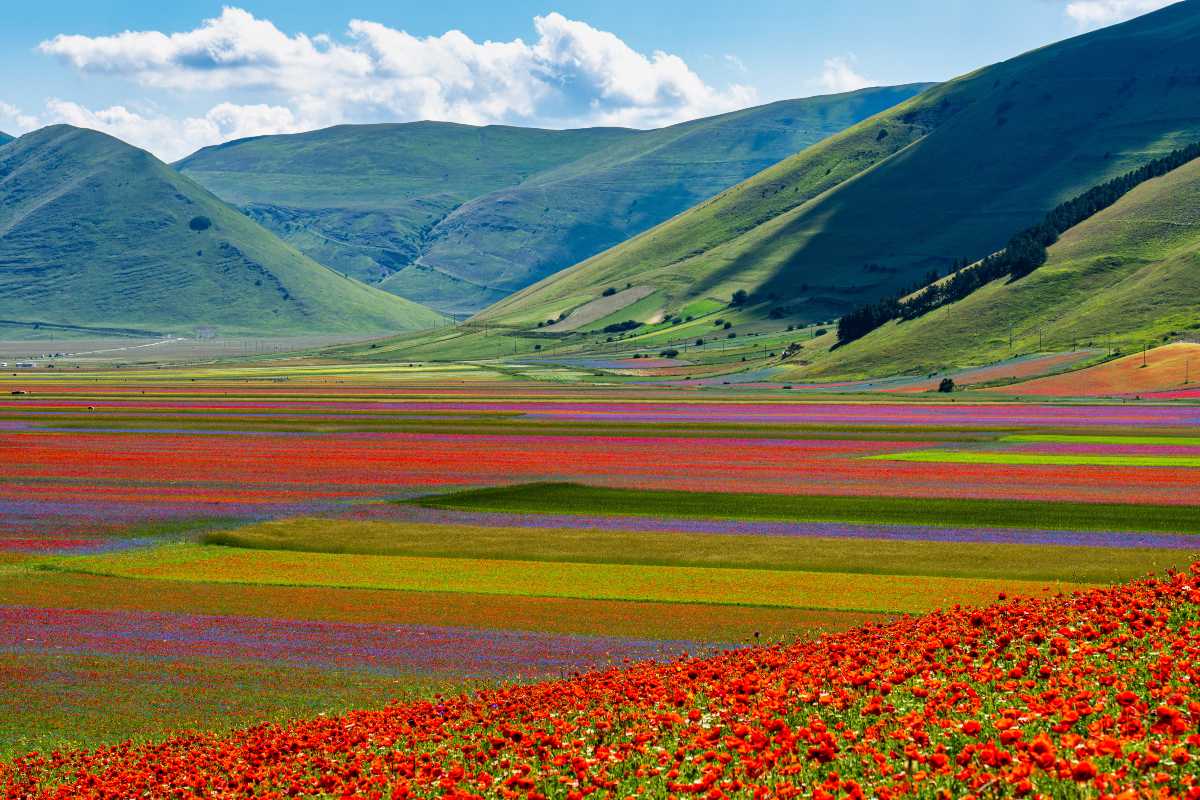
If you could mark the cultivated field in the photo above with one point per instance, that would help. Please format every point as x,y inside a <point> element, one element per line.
<point>216,548</point>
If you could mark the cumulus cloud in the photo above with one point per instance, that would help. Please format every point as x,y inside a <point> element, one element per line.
<point>168,137</point>
<point>571,74</point>
<point>838,74</point>
<point>13,121</point>
<point>1097,13</point>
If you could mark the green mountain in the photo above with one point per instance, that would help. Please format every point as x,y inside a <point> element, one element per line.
<point>458,217</point>
<point>363,198</point>
<point>510,238</point>
<point>949,174</point>
<point>1128,276</point>
<point>95,233</point>
<point>5,138</point>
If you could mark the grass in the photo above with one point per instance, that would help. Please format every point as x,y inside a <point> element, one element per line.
<point>772,588</point>
<point>573,498</point>
<point>145,268</point>
<point>646,548</point>
<point>1122,279</point>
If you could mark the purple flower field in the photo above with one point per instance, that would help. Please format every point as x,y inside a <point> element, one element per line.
<point>393,649</point>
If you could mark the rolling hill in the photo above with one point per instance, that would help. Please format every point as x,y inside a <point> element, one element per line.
<point>459,217</point>
<point>951,173</point>
<point>5,138</point>
<point>362,198</point>
<point>97,234</point>
<point>1126,277</point>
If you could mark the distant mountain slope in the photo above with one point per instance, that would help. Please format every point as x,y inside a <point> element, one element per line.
<point>361,198</point>
<point>5,138</point>
<point>96,233</point>
<point>458,216</point>
<point>949,174</point>
<point>1130,275</point>
<point>510,238</point>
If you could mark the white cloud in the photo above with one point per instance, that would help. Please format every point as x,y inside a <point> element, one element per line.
<point>838,74</point>
<point>168,137</point>
<point>13,121</point>
<point>571,75</point>
<point>1098,13</point>
<point>736,63</point>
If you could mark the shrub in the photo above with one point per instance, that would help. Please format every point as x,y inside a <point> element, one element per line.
<point>609,292</point>
<point>621,327</point>
<point>947,385</point>
<point>739,298</point>
<point>200,223</point>
<point>670,352</point>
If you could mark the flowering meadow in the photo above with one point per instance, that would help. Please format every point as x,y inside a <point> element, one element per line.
<point>505,588</point>
<point>1089,694</point>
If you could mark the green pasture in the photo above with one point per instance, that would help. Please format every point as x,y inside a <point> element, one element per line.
<point>571,498</point>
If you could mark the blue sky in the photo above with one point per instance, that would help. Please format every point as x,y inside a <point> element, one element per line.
<point>174,76</point>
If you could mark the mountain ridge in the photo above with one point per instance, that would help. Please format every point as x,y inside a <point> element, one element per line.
<point>473,240</point>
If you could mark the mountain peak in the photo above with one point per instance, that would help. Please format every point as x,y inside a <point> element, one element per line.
<point>98,234</point>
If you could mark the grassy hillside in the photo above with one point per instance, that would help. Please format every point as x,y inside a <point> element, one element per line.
<point>361,198</point>
<point>1129,275</point>
<point>951,173</point>
<point>99,234</point>
<point>510,238</point>
<point>459,217</point>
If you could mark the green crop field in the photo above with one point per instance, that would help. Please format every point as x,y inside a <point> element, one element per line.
<point>947,512</point>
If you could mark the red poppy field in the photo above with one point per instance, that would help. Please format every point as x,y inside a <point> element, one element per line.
<point>348,585</point>
<point>1088,694</point>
